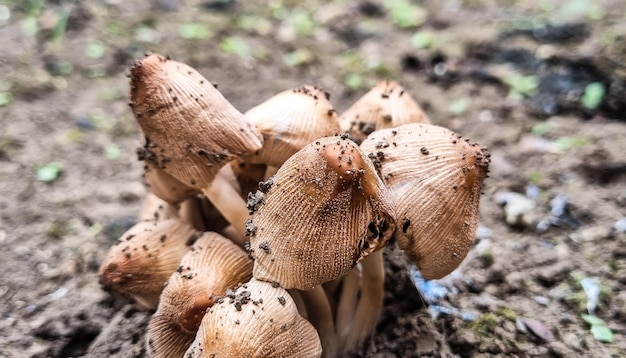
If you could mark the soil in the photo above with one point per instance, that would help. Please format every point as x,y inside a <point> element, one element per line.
<point>63,100</point>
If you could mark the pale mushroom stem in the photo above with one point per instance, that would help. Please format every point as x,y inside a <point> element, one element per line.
<point>297,299</point>
<point>321,317</point>
<point>230,204</point>
<point>190,212</point>
<point>371,300</point>
<point>347,304</point>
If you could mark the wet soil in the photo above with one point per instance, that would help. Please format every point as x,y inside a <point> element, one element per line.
<point>513,76</point>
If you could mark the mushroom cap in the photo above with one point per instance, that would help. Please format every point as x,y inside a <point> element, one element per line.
<point>436,177</point>
<point>190,129</point>
<point>290,120</point>
<point>140,263</point>
<point>257,320</point>
<point>213,265</point>
<point>384,106</point>
<point>323,212</point>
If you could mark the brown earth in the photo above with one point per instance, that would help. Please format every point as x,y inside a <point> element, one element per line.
<point>63,96</point>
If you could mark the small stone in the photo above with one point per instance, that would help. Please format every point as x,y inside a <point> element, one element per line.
<point>538,329</point>
<point>519,210</point>
<point>542,300</point>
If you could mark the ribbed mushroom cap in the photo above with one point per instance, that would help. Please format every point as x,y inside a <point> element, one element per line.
<point>386,105</point>
<point>144,258</point>
<point>213,265</point>
<point>323,211</point>
<point>190,129</point>
<point>290,120</point>
<point>436,177</point>
<point>258,320</point>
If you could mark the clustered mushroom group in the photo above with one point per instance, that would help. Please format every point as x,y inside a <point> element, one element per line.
<point>262,232</point>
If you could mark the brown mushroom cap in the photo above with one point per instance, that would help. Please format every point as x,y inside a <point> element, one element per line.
<point>190,129</point>
<point>386,105</point>
<point>323,212</point>
<point>212,266</point>
<point>436,177</point>
<point>257,320</point>
<point>144,258</point>
<point>290,120</point>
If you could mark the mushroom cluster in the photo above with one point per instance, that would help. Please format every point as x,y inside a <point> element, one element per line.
<point>262,232</point>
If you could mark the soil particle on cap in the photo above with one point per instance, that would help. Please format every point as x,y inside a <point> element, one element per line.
<point>254,201</point>
<point>282,300</point>
<point>265,246</point>
<point>424,150</point>
<point>265,186</point>
<point>250,228</point>
<point>238,299</point>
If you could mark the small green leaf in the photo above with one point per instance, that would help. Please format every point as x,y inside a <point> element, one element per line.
<point>602,333</point>
<point>298,57</point>
<point>406,14</point>
<point>95,229</point>
<point>459,106</point>
<point>592,320</point>
<point>112,152</point>
<point>302,22</point>
<point>593,96</point>
<point>237,46</point>
<point>520,85</point>
<point>194,30</point>
<point>422,39</point>
<point>29,26</point>
<point>541,129</point>
<point>94,50</point>
<point>5,98</point>
<point>49,172</point>
<point>565,143</point>
<point>354,81</point>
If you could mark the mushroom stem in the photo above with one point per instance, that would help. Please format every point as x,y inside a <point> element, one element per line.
<point>297,299</point>
<point>370,302</point>
<point>320,316</point>
<point>190,212</point>
<point>229,203</point>
<point>347,303</point>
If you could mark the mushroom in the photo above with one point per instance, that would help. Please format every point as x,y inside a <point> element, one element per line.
<point>343,215</point>
<point>290,120</point>
<point>386,105</point>
<point>441,173</point>
<point>336,182</point>
<point>144,258</point>
<point>213,265</point>
<point>257,320</point>
<point>191,130</point>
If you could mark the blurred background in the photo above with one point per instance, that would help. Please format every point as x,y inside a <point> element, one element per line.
<point>541,83</point>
